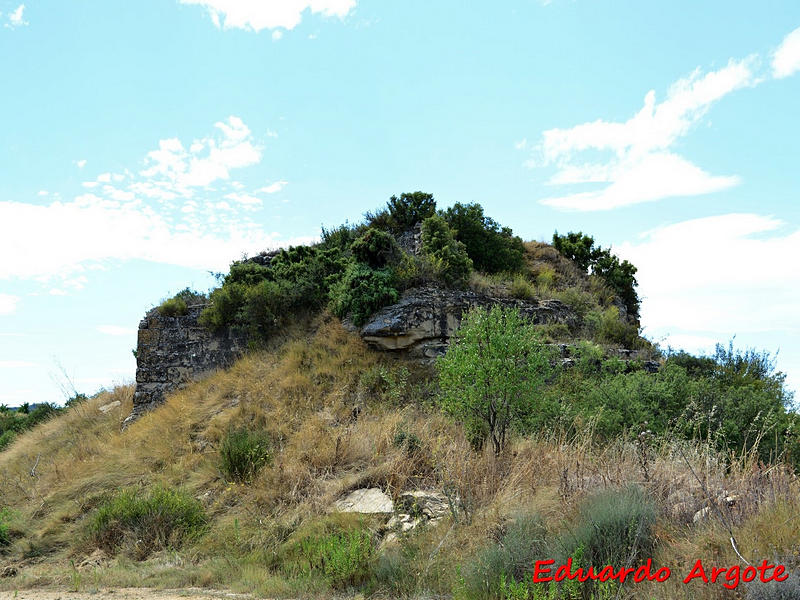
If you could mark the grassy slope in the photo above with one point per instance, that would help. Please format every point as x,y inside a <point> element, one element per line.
<point>333,408</point>
<point>304,393</point>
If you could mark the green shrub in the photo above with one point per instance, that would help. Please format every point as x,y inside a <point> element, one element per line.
<point>577,247</point>
<point>608,326</point>
<point>579,301</point>
<point>362,291</point>
<point>7,438</point>
<point>546,278</point>
<point>341,553</point>
<point>619,275</point>
<point>42,413</point>
<point>522,288</point>
<point>243,453</point>
<point>410,209</point>
<point>5,533</point>
<point>448,256</point>
<point>173,307</point>
<point>256,298</point>
<point>491,248</point>
<point>146,521</point>
<point>614,527</point>
<point>178,305</point>
<point>511,559</point>
<point>340,238</point>
<point>492,373</point>
<point>376,248</point>
<point>408,442</point>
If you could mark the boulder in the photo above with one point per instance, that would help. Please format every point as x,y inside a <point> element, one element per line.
<point>107,407</point>
<point>365,500</point>
<point>423,504</point>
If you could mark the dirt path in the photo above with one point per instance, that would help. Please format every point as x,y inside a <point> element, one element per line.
<point>124,594</point>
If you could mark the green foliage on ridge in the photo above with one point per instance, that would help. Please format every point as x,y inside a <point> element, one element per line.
<point>491,247</point>
<point>619,275</point>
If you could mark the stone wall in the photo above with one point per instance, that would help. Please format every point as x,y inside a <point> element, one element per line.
<point>172,351</point>
<point>425,318</point>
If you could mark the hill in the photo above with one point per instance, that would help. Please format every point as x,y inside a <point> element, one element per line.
<point>318,465</point>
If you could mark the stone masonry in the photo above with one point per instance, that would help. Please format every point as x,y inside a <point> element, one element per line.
<point>173,351</point>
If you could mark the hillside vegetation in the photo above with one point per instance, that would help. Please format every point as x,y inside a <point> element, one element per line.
<point>231,483</point>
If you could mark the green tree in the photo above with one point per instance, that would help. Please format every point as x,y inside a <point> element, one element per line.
<point>448,256</point>
<point>620,276</point>
<point>410,209</point>
<point>492,373</point>
<point>491,247</point>
<point>577,247</point>
<point>376,248</point>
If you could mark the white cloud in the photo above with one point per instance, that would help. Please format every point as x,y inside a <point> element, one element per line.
<point>8,304</point>
<point>116,330</point>
<point>786,59</point>
<point>276,35</point>
<point>274,188</point>
<point>80,163</point>
<point>166,213</point>
<point>256,15</point>
<point>638,165</point>
<point>16,364</point>
<point>245,199</point>
<point>16,18</point>
<point>173,171</point>
<point>648,178</point>
<point>718,275</point>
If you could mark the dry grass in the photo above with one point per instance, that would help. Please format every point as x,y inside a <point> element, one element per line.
<point>333,409</point>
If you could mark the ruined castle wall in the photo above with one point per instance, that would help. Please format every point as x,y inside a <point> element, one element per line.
<point>173,351</point>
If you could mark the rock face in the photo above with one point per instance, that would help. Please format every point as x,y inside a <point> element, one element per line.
<point>172,351</point>
<point>425,318</point>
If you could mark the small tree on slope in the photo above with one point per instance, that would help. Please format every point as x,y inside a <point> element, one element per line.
<point>492,372</point>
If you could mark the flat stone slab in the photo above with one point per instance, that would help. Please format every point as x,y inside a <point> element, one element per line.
<point>365,500</point>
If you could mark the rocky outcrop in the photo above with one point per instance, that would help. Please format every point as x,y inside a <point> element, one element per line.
<point>174,350</point>
<point>366,501</point>
<point>424,319</point>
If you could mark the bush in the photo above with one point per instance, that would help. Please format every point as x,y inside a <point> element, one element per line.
<point>503,353</point>
<point>512,558</point>
<point>491,248</point>
<point>145,522</point>
<point>448,256</point>
<point>7,438</point>
<point>608,326</point>
<point>5,533</point>
<point>173,307</point>
<point>178,305</point>
<point>376,248</point>
<point>257,298</point>
<point>577,247</point>
<point>243,453</point>
<point>410,209</point>
<point>342,553</point>
<point>522,288</point>
<point>614,528</point>
<point>362,291</point>
<point>619,276</point>
<point>775,590</point>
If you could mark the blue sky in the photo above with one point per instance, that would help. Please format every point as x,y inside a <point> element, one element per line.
<point>145,144</point>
